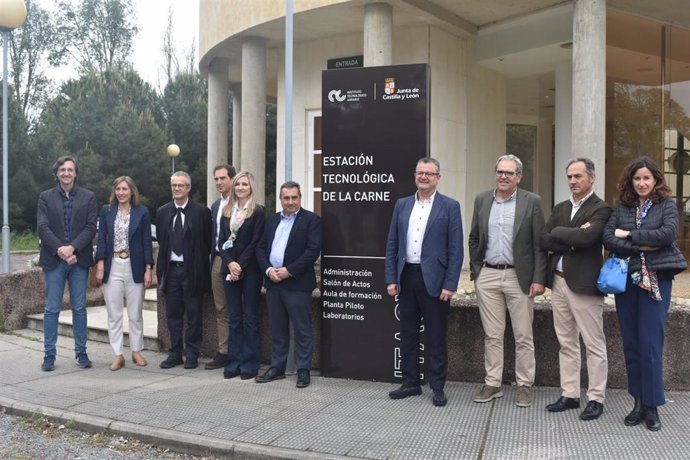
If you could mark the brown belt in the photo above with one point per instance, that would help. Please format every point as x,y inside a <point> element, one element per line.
<point>123,254</point>
<point>559,273</point>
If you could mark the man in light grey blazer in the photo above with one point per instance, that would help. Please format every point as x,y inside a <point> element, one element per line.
<point>423,260</point>
<point>509,270</point>
<point>66,224</point>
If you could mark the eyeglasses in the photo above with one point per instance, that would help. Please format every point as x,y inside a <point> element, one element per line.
<point>426,174</point>
<point>179,185</point>
<point>507,174</point>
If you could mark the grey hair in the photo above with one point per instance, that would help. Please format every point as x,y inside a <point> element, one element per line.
<point>182,174</point>
<point>433,161</point>
<point>589,165</point>
<point>513,158</point>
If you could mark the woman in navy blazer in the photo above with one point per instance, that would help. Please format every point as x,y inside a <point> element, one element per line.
<point>124,265</point>
<point>241,228</point>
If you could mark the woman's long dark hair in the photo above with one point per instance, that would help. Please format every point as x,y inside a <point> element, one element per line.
<point>628,195</point>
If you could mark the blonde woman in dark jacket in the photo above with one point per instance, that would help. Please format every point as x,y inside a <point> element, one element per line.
<point>644,227</point>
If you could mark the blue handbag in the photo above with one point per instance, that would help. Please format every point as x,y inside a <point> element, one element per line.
<point>613,275</point>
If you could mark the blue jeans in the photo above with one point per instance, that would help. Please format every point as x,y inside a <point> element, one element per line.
<point>55,279</point>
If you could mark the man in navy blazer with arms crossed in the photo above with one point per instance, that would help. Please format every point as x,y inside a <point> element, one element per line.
<point>423,260</point>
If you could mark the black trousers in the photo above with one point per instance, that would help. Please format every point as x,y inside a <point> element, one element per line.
<point>284,306</point>
<point>416,304</point>
<point>179,301</point>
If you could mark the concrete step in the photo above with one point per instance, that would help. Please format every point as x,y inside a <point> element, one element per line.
<point>151,299</point>
<point>97,321</point>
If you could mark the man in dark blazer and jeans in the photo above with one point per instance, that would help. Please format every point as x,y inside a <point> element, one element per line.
<point>286,254</point>
<point>66,224</point>
<point>184,239</point>
<point>423,261</point>
<point>573,237</point>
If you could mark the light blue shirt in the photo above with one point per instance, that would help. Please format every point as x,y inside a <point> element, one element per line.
<point>280,239</point>
<point>499,248</point>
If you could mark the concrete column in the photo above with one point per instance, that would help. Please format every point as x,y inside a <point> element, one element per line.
<point>217,130</point>
<point>564,124</point>
<point>253,136</point>
<point>236,159</point>
<point>589,85</point>
<point>378,34</point>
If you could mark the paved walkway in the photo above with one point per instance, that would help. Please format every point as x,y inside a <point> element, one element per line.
<point>198,411</point>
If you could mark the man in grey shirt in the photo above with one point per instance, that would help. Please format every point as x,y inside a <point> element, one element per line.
<point>506,226</point>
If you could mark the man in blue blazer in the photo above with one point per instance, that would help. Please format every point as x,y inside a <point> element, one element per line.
<point>222,177</point>
<point>286,254</point>
<point>66,224</point>
<point>424,256</point>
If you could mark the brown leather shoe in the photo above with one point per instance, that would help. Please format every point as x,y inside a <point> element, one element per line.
<point>138,359</point>
<point>118,363</point>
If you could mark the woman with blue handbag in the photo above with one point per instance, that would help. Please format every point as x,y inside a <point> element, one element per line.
<point>643,227</point>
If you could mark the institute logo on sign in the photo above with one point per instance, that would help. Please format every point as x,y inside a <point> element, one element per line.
<point>335,95</point>
<point>390,85</point>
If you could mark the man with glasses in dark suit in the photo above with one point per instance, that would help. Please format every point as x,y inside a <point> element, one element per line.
<point>184,238</point>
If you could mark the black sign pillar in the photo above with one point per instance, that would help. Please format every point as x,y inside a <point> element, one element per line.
<point>375,128</point>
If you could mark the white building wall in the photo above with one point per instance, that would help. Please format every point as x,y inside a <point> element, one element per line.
<point>310,60</point>
<point>448,114</point>
<point>486,132</point>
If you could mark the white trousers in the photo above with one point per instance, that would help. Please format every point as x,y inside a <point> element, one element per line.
<point>121,290</point>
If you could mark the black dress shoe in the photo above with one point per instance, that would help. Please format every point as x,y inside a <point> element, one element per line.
<point>303,378</point>
<point>593,411</point>
<point>191,362</point>
<point>216,363</point>
<point>651,419</point>
<point>564,403</point>
<point>270,375</point>
<point>439,398</point>
<point>636,415</point>
<point>230,374</point>
<point>171,361</point>
<point>248,375</point>
<point>404,392</point>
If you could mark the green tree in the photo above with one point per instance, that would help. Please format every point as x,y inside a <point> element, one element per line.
<point>33,49</point>
<point>185,108</point>
<point>98,34</point>
<point>21,213</point>
<point>111,123</point>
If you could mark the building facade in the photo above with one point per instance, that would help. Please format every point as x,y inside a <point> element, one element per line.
<point>546,80</point>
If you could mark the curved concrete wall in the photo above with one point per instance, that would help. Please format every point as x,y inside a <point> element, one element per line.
<point>223,19</point>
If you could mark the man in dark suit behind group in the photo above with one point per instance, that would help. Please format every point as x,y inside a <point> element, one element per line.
<point>286,254</point>
<point>573,237</point>
<point>424,256</point>
<point>184,238</point>
<point>222,176</point>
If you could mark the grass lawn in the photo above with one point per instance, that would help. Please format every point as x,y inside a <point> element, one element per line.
<point>24,241</point>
